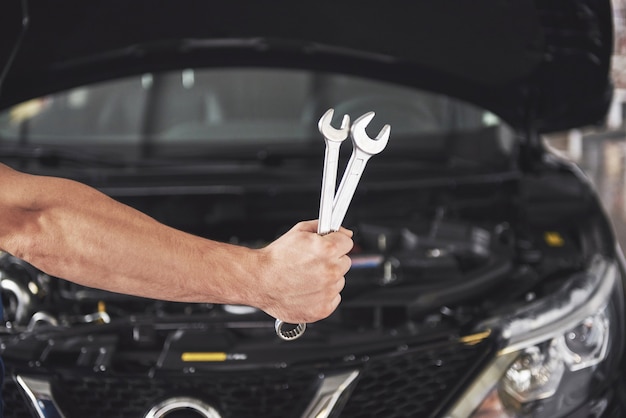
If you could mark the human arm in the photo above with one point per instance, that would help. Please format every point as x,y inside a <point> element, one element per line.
<point>70,230</point>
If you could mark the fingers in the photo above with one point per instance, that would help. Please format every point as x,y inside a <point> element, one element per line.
<point>304,273</point>
<point>339,285</point>
<point>320,311</point>
<point>346,231</point>
<point>340,243</point>
<point>311,226</point>
<point>306,226</point>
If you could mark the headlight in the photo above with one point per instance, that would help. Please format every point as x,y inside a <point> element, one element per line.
<point>554,352</point>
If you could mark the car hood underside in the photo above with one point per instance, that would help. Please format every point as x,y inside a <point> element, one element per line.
<point>545,64</point>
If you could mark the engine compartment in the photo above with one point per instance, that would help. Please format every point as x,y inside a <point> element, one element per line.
<point>465,254</point>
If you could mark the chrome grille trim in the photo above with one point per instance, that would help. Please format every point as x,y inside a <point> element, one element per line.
<point>328,394</point>
<point>39,393</point>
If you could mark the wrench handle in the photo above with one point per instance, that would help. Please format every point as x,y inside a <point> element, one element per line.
<point>289,334</point>
<point>347,187</point>
<point>329,182</point>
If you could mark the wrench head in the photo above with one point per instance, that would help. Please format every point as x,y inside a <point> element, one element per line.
<point>330,133</point>
<point>362,141</point>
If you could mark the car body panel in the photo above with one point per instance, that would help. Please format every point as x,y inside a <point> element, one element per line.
<point>509,57</point>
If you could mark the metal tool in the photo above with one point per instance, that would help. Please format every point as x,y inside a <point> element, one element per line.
<point>334,206</point>
<point>333,138</point>
<point>363,147</point>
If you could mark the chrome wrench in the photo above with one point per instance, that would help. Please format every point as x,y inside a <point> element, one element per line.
<point>363,148</point>
<point>333,138</point>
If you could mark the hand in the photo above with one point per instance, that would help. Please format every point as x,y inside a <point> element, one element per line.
<point>302,273</point>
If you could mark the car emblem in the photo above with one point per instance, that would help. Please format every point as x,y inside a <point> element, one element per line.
<point>170,406</point>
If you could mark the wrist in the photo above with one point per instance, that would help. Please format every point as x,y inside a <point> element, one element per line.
<point>257,278</point>
<point>232,274</point>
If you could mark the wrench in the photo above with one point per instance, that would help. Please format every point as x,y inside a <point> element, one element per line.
<point>333,138</point>
<point>363,148</point>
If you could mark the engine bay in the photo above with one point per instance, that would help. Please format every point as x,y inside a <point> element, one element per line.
<point>457,262</point>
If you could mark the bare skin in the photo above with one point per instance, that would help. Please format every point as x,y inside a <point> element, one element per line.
<point>70,230</point>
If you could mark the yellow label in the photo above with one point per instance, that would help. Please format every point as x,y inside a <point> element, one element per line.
<point>553,239</point>
<point>475,338</point>
<point>206,356</point>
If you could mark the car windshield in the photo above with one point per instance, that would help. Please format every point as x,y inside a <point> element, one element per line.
<point>191,110</point>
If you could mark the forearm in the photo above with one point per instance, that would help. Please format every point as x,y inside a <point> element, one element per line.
<point>72,231</point>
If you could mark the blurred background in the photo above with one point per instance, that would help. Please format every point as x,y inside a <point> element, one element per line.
<point>601,151</point>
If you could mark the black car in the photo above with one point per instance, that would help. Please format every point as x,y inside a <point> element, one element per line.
<point>486,280</point>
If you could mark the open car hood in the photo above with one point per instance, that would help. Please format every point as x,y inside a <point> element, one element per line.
<point>536,64</point>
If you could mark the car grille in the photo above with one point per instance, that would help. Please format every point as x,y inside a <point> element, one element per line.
<point>407,381</point>
<point>14,402</point>
<point>414,384</point>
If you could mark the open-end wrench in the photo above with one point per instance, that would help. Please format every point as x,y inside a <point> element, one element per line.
<point>333,138</point>
<point>363,148</point>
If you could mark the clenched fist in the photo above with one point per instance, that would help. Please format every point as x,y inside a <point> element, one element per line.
<point>301,274</point>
